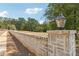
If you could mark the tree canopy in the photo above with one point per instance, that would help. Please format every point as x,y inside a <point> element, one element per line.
<point>30,24</point>
<point>70,11</point>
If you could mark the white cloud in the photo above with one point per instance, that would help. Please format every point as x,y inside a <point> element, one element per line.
<point>33,10</point>
<point>41,21</point>
<point>3,14</point>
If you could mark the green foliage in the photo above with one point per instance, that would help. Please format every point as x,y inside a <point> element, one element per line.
<point>70,11</point>
<point>26,25</point>
<point>21,24</point>
<point>5,23</point>
<point>32,24</point>
<point>39,29</point>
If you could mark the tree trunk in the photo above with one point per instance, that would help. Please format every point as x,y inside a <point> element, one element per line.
<point>74,19</point>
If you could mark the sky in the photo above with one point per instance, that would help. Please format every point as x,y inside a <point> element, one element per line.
<point>15,10</point>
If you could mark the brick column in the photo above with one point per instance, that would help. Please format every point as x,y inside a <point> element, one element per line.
<point>61,43</point>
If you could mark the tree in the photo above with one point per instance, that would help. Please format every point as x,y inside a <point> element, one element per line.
<point>70,11</point>
<point>39,28</point>
<point>32,24</point>
<point>20,23</point>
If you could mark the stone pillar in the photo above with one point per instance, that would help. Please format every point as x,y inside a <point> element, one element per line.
<point>61,43</point>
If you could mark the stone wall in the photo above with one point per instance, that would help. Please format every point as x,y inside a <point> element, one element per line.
<point>3,42</point>
<point>35,44</point>
<point>58,43</point>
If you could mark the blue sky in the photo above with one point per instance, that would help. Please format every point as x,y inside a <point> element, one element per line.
<point>15,10</point>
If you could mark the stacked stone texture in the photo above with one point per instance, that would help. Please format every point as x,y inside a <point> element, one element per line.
<point>61,43</point>
<point>58,43</point>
